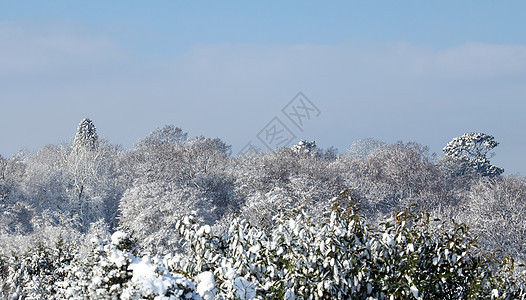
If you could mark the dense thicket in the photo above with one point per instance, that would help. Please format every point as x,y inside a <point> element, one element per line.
<point>90,187</point>
<point>408,256</point>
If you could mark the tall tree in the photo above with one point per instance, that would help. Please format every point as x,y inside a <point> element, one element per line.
<point>472,149</point>
<point>85,165</point>
<point>86,137</point>
<point>4,190</point>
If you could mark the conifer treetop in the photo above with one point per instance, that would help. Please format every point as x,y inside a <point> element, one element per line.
<point>86,137</point>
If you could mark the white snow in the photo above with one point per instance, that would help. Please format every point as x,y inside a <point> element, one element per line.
<point>118,237</point>
<point>206,285</point>
<point>414,291</point>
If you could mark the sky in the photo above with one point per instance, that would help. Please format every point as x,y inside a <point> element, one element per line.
<point>265,74</point>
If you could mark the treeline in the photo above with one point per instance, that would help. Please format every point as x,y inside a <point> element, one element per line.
<point>89,186</point>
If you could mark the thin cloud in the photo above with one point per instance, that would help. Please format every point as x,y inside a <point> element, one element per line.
<point>25,51</point>
<point>480,61</point>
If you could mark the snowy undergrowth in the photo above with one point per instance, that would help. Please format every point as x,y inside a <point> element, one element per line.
<point>406,257</point>
<point>113,271</point>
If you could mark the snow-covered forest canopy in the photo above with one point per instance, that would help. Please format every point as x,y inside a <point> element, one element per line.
<point>179,217</point>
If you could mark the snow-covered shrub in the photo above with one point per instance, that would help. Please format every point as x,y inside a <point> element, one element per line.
<point>430,260</point>
<point>113,271</point>
<point>407,257</point>
<point>102,273</point>
<point>34,274</point>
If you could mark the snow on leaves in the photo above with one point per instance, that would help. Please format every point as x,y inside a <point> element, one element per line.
<point>473,148</point>
<point>406,257</point>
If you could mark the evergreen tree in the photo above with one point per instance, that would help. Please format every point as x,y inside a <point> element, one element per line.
<point>472,149</point>
<point>86,137</point>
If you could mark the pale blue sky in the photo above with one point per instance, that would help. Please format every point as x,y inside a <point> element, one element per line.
<point>392,70</point>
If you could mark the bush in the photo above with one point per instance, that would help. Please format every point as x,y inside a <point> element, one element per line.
<point>407,257</point>
<point>34,274</point>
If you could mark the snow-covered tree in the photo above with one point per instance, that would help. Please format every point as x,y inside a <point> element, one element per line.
<point>96,175</point>
<point>284,179</point>
<point>169,134</point>
<point>362,148</point>
<point>305,146</point>
<point>203,156</point>
<point>495,210</point>
<point>45,181</point>
<point>86,137</point>
<point>83,164</point>
<point>166,155</point>
<point>4,187</point>
<point>394,176</point>
<point>174,177</point>
<point>473,148</point>
<point>12,172</point>
<point>150,211</point>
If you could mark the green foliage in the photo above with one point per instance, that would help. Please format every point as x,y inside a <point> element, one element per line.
<point>407,257</point>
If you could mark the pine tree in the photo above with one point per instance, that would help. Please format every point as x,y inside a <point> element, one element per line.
<point>473,148</point>
<point>86,137</point>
